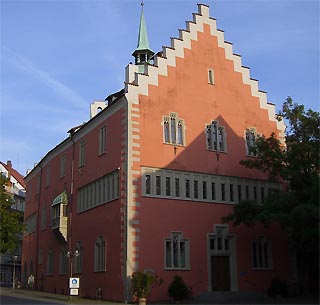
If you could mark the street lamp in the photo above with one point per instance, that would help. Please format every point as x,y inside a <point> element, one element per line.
<point>70,255</point>
<point>15,257</point>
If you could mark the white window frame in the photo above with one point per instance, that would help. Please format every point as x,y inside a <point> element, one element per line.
<point>176,260</point>
<point>173,130</point>
<point>216,137</point>
<point>251,137</point>
<point>180,178</point>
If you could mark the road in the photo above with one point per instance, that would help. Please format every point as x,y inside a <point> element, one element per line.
<point>6,300</point>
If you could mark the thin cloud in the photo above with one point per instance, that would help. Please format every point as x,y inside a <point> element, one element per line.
<point>27,66</point>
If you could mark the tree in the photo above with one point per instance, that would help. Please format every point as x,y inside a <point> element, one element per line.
<point>11,221</point>
<point>296,208</point>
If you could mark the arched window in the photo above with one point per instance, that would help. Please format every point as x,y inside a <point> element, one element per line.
<point>173,130</point>
<point>100,255</point>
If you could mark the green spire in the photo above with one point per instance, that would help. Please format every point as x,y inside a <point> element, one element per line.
<point>142,53</point>
<point>143,41</point>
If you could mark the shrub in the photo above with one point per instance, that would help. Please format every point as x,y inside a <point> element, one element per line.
<point>142,282</point>
<point>178,290</point>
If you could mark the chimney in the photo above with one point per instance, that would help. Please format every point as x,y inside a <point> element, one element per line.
<point>9,165</point>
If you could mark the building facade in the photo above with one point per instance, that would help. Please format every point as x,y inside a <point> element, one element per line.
<point>11,262</point>
<point>145,182</point>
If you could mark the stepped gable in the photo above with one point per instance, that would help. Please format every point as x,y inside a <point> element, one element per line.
<point>137,83</point>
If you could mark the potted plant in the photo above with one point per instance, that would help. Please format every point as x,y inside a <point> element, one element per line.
<point>141,284</point>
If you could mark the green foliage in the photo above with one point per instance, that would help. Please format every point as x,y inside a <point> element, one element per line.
<point>11,220</point>
<point>178,290</point>
<point>143,281</point>
<point>297,164</point>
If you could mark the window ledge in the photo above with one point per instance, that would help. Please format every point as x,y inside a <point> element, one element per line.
<point>176,268</point>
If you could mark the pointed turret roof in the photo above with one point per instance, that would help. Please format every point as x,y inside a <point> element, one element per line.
<point>143,41</point>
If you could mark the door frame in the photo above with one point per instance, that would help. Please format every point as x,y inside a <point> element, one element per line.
<point>231,253</point>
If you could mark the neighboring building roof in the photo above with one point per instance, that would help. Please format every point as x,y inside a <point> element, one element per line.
<point>15,174</point>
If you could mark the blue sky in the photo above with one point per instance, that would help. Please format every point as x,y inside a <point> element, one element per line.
<point>58,56</point>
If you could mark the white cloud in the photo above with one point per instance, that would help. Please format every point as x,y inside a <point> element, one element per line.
<point>27,66</point>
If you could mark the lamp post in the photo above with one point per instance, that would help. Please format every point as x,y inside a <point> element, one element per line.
<point>70,255</point>
<point>15,257</point>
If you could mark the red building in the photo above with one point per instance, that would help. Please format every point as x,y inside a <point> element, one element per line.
<point>144,183</point>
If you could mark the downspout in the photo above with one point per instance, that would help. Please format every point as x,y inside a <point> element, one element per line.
<point>125,172</point>
<point>38,230</point>
<point>70,208</point>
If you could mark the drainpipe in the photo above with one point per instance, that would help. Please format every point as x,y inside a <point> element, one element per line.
<point>38,229</point>
<point>70,206</point>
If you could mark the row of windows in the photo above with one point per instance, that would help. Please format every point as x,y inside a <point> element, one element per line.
<point>102,138</point>
<point>201,187</point>
<point>82,148</point>
<point>176,253</point>
<point>77,257</point>
<point>174,133</point>
<point>100,191</point>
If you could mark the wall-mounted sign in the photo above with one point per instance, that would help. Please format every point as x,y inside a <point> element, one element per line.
<point>74,291</point>
<point>74,282</point>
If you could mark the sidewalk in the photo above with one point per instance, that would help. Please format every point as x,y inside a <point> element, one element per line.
<point>216,298</point>
<point>46,296</point>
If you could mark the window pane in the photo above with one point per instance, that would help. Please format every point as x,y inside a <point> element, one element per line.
<point>255,263</point>
<point>231,193</point>
<point>204,189</point>
<point>213,191</point>
<point>177,186</point>
<point>265,254</point>
<point>158,185</point>
<point>195,189</point>
<point>173,130</point>
<point>182,255</point>
<point>239,193</point>
<point>223,191</point>
<point>187,188</point>
<point>148,184</point>
<point>168,254</point>
<point>221,139</point>
<point>168,186</point>
<point>226,244</point>
<point>209,138</point>
<point>166,132</point>
<point>215,135</point>
<point>212,242</point>
<point>180,134</point>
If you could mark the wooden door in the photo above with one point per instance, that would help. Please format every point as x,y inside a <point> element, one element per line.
<point>220,273</point>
